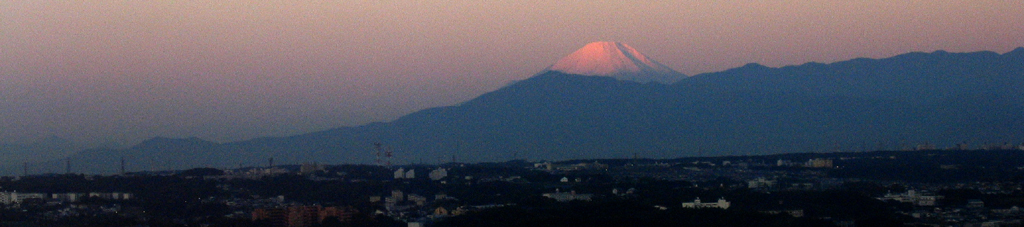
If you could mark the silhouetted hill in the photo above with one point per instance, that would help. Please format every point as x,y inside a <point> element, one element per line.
<point>49,148</point>
<point>940,98</point>
<point>914,78</point>
<point>154,154</point>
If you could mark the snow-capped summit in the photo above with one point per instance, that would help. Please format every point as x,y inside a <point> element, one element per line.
<point>616,60</point>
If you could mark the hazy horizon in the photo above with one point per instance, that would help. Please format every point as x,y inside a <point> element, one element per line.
<point>98,72</point>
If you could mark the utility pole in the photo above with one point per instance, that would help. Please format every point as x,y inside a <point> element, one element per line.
<point>458,146</point>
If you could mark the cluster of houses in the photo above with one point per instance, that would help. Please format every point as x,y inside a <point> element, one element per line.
<point>912,196</point>
<point>15,197</point>
<point>301,216</point>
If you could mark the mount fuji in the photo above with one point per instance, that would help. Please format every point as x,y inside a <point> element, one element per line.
<point>616,60</point>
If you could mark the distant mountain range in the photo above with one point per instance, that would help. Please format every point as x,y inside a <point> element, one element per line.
<point>937,98</point>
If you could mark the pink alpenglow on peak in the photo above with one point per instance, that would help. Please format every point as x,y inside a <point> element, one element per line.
<point>617,60</point>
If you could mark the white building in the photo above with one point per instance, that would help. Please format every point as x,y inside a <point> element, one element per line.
<point>781,162</point>
<point>819,163</point>
<point>400,173</point>
<point>760,183</point>
<point>15,197</point>
<point>69,197</point>
<point>696,204</point>
<point>410,174</point>
<point>121,195</point>
<point>111,195</point>
<point>5,198</point>
<point>438,174</point>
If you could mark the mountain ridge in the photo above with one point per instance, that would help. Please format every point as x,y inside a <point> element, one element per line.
<point>753,109</point>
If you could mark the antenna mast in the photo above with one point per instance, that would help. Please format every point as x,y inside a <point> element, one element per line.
<point>378,152</point>
<point>382,152</point>
<point>387,155</point>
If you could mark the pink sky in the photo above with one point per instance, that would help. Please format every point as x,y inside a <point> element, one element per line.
<point>225,70</point>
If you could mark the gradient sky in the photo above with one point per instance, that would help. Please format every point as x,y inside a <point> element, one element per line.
<point>224,70</point>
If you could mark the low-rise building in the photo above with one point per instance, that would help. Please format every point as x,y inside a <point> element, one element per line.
<point>400,173</point>
<point>913,197</point>
<point>16,197</point>
<point>760,182</point>
<point>819,163</point>
<point>438,174</point>
<point>697,204</point>
<point>68,197</point>
<point>568,196</point>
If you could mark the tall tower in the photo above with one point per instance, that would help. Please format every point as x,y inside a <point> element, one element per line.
<point>378,151</point>
<point>382,152</point>
<point>122,166</point>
